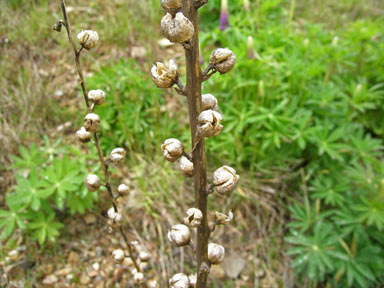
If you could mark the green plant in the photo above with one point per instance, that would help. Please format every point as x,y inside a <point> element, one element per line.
<point>48,180</point>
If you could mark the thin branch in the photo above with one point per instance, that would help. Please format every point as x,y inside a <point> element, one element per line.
<point>180,89</point>
<point>207,73</point>
<point>200,3</point>
<point>96,142</point>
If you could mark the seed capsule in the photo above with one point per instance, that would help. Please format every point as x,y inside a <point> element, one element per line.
<point>92,182</point>
<point>216,253</point>
<point>171,6</point>
<point>97,96</point>
<point>209,123</point>
<point>221,218</point>
<point>192,280</point>
<point>172,149</point>
<point>83,135</point>
<point>222,59</point>
<point>118,155</point>
<point>114,216</point>
<point>118,256</point>
<point>92,122</point>
<point>144,256</point>
<point>179,280</point>
<point>153,284</point>
<point>194,217</point>
<point>123,189</point>
<point>209,102</point>
<point>225,180</point>
<point>179,235</point>
<point>162,76</point>
<point>177,29</point>
<point>138,278</point>
<point>88,39</point>
<point>186,166</point>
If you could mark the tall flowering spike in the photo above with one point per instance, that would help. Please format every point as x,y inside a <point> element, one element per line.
<point>224,15</point>
<point>250,47</point>
<point>162,76</point>
<point>88,39</point>
<point>177,29</point>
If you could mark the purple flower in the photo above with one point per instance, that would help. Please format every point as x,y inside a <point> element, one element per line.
<point>224,15</point>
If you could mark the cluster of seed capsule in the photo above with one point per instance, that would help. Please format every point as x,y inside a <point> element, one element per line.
<point>88,40</point>
<point>177,28</point>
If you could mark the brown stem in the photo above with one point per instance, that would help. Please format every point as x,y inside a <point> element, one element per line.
<point>96,142</point>
<point>193,90</point>
<point>77,54</point>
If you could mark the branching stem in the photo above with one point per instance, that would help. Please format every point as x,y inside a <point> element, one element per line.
<point>96,142</point>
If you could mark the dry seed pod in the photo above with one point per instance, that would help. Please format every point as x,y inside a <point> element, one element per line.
<point>172,149</point>
<point>138,278</point>
<point>222,59</point>
<point>153,284</point>
<point>177,29</point>
<point>225,180</point>
<point>179,235</point>
<point>216,253</point>
<point>179,280</point>
<point>83,135</point>
<point>117,155</point>
<point>118,256</point>
<point>194,217</point>
<point>123,189</point>
<point>192,280</point>
<point>92,182</point>
<point>209,123</point>
<point>171,6</point>
<point>162,76</point>
<point>144,256</point>
<point>97,96</point>
<point>209,102</point>
<point>221,218</point>
<point>113,215</point>
<point>186,166</point>
<point>88,39</point>
<point>92,122</point>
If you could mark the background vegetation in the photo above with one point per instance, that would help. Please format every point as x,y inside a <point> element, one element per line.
<point>305,120</point>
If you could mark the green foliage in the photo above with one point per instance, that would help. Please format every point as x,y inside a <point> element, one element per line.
<point>49,179</point>
<point>132,115</point>
<point>314,97</point>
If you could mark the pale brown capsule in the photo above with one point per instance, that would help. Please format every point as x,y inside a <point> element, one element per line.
<point>221,218</point>
<point>172,149</point>
<point>222,59</point>
<point>179,235</point>
<point>83,135</point>
<point>97,96</point>
<point>118,256</point>
<point>194,217</point>
<point>179,280</point>
<point>177,29</point>
<point>92,182</point>
<point>88,39</point>
<point>138,278</point>
<point>123,189</point>
<point>186,166</point>
<point>225,180</point>
<point>117,155</point>
<point>216,253</point>
<point>92,122</point>
<point>162,76</point>
<point>171,6</point>
<point>144,256</point>
<point>209,123</point>
<point>209,102</point>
